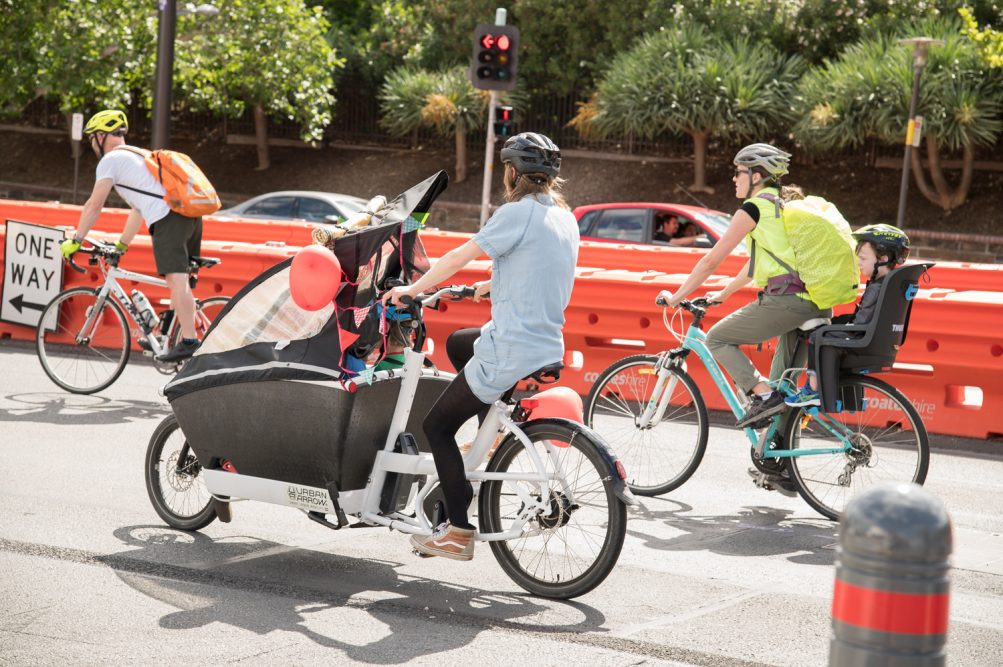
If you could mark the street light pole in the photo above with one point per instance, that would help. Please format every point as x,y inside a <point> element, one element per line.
<point>921,46</point>
<point>164,78</point>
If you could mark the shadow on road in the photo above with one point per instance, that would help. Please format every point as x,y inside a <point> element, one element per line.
<point>216,578</point>
<point>752,532</point>
<point>75,409</point>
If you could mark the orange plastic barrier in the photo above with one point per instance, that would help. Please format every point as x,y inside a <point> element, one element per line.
<point>950,367</point>
<point>111,220</point>
<point>241,262</point>
<point>961,276</point>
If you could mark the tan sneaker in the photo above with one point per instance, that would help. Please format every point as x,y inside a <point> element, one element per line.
<point>447,541</point>
<point>467,446</point>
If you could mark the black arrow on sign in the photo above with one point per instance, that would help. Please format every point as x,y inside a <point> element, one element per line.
<point>19,303</point>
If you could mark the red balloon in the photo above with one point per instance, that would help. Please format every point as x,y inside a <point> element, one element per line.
<point>314,277</point>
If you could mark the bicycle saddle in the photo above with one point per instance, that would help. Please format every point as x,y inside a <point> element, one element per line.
<point>205,262</point>
<point>548,374</point>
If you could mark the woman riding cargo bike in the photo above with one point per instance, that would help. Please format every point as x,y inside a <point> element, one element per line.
<point>650,409</point>
<point>551,500</point>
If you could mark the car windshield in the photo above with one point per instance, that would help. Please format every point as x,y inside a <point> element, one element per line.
<point>718,222</point>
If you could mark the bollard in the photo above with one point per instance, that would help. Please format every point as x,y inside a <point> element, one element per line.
<point>890,604</point>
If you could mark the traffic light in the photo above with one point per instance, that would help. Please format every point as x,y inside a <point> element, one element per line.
<point>503,121</point>
<point>495,57</point>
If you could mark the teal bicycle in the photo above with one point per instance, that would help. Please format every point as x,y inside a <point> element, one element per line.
<point>650,410</point>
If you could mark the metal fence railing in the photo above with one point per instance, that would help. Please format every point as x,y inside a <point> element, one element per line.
<point>356,121</point>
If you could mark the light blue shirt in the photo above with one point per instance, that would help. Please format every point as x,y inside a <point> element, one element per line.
<point>533,245</point>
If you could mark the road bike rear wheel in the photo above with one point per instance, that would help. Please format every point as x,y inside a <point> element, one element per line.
<point>569,549</point>
<point>206,312</point>
<point>889,444</point>
<point>82,362</point>
<point>174,479</point>
<point>661,456</point>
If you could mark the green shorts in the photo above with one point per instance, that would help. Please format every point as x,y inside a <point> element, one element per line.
<point>175,239</point>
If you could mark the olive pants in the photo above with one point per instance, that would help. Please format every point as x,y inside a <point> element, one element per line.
<point>763,319</point>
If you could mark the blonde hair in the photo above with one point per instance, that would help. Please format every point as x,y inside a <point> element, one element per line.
<point>791,192</point>
<point>533,184</point>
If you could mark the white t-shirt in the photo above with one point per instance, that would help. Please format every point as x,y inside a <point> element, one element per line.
<point>125,167</point>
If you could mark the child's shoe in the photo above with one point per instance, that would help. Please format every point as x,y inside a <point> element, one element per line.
<point>807,396</point>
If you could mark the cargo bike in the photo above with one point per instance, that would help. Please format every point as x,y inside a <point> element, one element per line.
<point>266,411</point>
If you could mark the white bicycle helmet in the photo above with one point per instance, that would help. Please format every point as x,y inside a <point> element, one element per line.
<point>769,158</point>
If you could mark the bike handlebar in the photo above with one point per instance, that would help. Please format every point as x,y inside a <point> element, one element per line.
<point>97,249</point>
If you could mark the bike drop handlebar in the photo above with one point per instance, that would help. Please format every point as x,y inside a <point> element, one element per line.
<point>96,250</point>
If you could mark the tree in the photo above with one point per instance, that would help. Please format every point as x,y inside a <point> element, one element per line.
<point>442,100</point>
<point>988,41</point>
<point>866,94</point>
<point>267,55</point>
<point>93,55</point>
<point>691,82</point>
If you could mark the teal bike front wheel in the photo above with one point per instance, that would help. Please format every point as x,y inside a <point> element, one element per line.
<point>658,456</point>
<point>889,443</point>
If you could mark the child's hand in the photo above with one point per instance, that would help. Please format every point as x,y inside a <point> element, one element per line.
<point>716,297</point>
<point>482,290</point>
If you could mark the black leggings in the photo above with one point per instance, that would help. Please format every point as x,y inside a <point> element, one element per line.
<point>454,407</point>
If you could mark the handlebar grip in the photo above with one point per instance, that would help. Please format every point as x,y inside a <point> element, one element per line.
<point>76,267</point>
<point>660,301</point>
<point>407,300</point>
<point>467,291</point>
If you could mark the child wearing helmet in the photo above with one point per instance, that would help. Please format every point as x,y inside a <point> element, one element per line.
<point>783,303</point>
<point>880,248</point>
<point>532,232</point>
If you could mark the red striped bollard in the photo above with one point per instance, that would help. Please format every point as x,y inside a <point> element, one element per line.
<point>890,605</point>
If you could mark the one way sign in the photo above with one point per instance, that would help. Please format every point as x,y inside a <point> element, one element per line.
<point>32,271</point>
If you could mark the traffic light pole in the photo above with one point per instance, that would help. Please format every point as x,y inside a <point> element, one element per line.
<point>489,158</point>
<point>489,144</point>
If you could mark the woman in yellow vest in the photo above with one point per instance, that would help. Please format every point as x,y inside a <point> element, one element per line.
<point>782,305</point>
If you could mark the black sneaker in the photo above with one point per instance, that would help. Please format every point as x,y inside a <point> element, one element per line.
<point>780,482</point>
<point>179,352</point>
<point>759,409</point>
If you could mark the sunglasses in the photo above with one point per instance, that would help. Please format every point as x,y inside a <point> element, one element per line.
<point>739,172</point>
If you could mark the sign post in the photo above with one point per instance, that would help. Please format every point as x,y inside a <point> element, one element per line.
<point>76,134</point>
<point>33,272</point>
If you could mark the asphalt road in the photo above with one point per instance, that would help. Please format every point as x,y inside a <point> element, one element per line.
<point>718,573</point>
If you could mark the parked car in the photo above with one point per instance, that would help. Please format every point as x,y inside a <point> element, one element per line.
<point>638,222</point>
<point>327,207</point>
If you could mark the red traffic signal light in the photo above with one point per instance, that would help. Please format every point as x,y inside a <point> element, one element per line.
<point>503,121</point>
<point>493,62</point>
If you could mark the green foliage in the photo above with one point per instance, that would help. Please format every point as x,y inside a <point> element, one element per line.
<point>866,93</point>
<point>416,98</point>
<point>988,41</point>
<point>273,53</point>
<point>690,81</point>
<point>18,22</point>
<point>93,55</point>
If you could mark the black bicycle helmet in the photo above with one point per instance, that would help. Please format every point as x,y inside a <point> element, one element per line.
<point>887,240</point>
<point>532,153</point>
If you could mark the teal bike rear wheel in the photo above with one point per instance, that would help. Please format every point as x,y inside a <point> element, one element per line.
<point>889,444</point>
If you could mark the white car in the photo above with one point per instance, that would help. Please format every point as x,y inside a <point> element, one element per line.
<point>309,205</point>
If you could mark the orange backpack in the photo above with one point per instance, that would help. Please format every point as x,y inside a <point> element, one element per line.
<point>188,191</point>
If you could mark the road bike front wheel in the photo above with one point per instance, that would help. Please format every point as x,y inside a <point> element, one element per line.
<point>82,362</point>
<point>661,456</point>
<point>174,479</point>
<point>570,548</point>
<point>888,441</point>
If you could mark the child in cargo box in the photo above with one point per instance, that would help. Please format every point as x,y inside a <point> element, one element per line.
<point>880,248</point>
